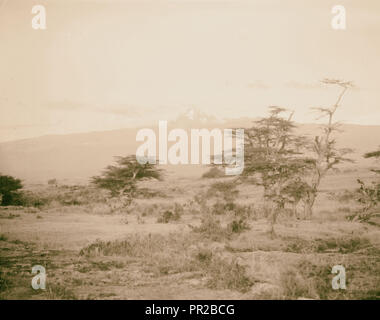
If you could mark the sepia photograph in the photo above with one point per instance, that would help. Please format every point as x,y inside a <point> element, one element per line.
<point>162,150</point>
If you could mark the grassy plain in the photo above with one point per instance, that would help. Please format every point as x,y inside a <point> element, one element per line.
<point>187,238</point>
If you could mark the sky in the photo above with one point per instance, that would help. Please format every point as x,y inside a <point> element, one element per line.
<point>106,64</point>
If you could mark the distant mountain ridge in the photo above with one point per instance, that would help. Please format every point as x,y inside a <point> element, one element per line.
<point>76,157</point>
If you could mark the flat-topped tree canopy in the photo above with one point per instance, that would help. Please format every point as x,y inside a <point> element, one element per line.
<point>121,178</point>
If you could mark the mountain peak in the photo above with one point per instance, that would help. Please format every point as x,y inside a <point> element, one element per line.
<point>194,117</point>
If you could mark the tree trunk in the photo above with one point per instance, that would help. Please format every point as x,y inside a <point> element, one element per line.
<point>308,208</point>
<point>295,213</point>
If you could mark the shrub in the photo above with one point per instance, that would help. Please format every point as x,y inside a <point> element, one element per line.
<point>8,187</point>
<point>238,226</point>
<point>211,228</point>
<point>220,208</point>
<point>228,275</point>
<point>204,256</point>
<point>213,173</point>
<point>223,274</point>
<point>294,285</point>
<point>30,199</point>
<point>3,237</point>
<point>344,246</point>
<point>168,216</point>
<point>225,190</point>
<point>368,196</point>
<point>341,245</point>
<point>133,246</point>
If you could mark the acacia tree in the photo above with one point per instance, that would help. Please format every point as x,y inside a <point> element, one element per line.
<point>8,186</point>
<point>374,154</point>
<point>326,153</point>
<point>296,192</point>
<point>368,195</point>
<point>272,154</point>
<point>121,179</point>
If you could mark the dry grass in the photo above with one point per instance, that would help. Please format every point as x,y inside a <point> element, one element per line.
<point>205,239</point>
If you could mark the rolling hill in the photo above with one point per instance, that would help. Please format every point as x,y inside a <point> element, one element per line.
<point>76,157</point>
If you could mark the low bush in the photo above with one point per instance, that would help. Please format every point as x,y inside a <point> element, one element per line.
<point>223,274</point>
<point>213,173</point>
<point>238,226</point>
<point>341,245</point>
<point>211,228</point>
<point>27,198</point>
<point>168,216</point>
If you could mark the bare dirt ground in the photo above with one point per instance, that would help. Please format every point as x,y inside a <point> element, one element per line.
<point>142,252</point>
